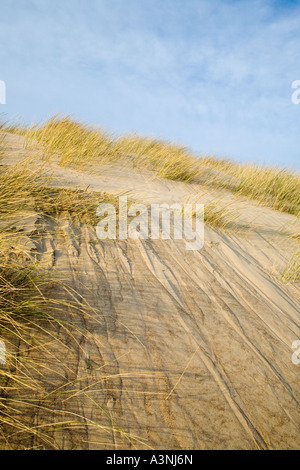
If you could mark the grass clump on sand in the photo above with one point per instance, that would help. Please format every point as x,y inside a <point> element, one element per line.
<point>73,143</point>
<point>275,187</point>
<point>77,144</point>
<point>292,270</point>
<point>22,310</point>
<point>80,205</point>
<point>220,216</point>
<point>167,159</point>
<point>40,319</point>
<point>27,316</point>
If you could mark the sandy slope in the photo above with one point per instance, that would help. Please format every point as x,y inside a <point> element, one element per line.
<point>184,350</point>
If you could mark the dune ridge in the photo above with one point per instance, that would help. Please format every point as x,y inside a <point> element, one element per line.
<point>173,349</point>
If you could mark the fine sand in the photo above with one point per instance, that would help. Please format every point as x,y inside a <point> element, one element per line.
<point>181,349</point>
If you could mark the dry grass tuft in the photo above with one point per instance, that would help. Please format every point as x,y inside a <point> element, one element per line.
<point>275,187</point>
<point>292,271</point>
<point>78,144</point>
<point>221,216</point>
<point>40,363</point>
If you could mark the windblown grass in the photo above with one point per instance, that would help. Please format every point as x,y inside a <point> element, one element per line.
<point>292,270</point>
<point>78,144</point>
<point>40,363</point>
<point>29,318</point>
<point>71,142</point>
<point>221,216</point>
<point>165,158</point>
<point>276,187</point>
<point>80,205</point>
<point>23,310</point>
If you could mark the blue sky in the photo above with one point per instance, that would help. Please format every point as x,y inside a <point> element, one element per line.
<point>213,75</point>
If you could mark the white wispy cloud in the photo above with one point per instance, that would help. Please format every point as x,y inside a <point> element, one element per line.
<point>215,75</point>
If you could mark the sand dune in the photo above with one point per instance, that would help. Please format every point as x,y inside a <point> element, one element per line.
<point>182,350</point>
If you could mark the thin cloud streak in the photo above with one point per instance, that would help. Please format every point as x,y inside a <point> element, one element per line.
<point>216,76</point>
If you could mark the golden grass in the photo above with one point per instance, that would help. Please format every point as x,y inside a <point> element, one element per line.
<point>292,270</point>
<point>28,317</point>
<point>78,144</point>
<point>71,142</point>
<point>24,310</point>
<point>223,217</point>
<point>276,187</point>
<point>33,308</point>
<point>167,159</point>
<point>80,205</point>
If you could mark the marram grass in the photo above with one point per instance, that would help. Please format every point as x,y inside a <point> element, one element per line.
<point>37,378</point>
<point>292,270</point>
<point>77,144</point>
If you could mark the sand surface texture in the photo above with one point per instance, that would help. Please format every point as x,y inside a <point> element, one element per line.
<point>180,349</point>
